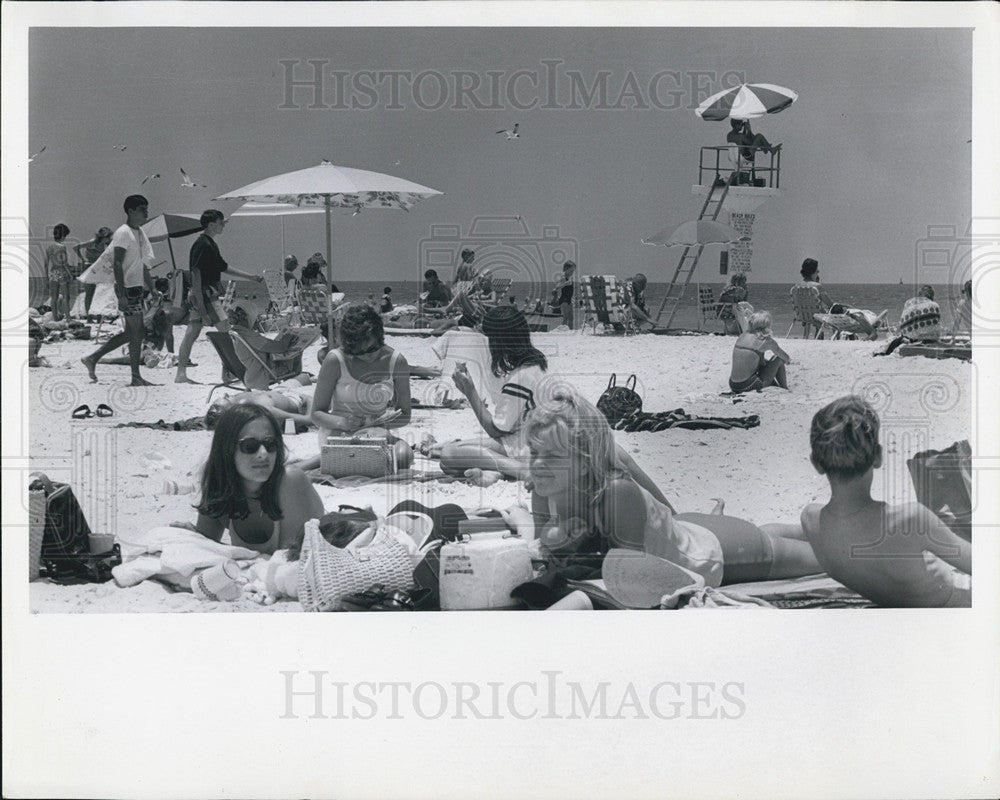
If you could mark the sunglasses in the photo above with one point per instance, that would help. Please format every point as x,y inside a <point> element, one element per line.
<point>251,444</point>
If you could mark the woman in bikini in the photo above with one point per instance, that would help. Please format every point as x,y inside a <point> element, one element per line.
<point>758,361</point>
<point>247,489</point>
<point>57,271</point>
<point>363,384</point>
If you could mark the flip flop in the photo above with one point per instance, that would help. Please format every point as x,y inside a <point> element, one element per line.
<point>82,412</point>
<point>104,410</point>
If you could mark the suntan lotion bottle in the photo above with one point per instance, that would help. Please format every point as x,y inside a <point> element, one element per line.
<point>289,427</point>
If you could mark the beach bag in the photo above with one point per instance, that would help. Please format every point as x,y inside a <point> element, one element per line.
<point>328,574</point>
<point>480,570</point>
<point>64,554</point>
<point>618,402</point>
<point>369,457</point>
<point>942,480</point>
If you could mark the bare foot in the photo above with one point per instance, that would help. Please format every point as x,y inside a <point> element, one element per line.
<point>720,506</point>
<point>185,379</point>
<point>482,477</point>
<point>140,381</point>
<point>91,366</point>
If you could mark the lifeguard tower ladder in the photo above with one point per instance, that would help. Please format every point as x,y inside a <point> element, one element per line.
<point>749,190</point>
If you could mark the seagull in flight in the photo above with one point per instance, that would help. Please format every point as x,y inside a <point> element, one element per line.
<point>36,155</point>
<point>511,133</point>
<point>150,177</point>
<point>122,147</point>
<point>188,183</point>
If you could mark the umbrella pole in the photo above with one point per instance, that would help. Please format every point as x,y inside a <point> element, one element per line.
<point>173,261</point>
<point>329,276</point>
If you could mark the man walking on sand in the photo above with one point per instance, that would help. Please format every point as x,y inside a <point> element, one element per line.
<point>132,253</point>
<point>207,265</point>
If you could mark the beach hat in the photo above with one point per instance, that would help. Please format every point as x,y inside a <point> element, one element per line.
<point>642,580</point>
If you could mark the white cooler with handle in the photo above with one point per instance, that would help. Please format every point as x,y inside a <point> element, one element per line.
<point>479,571</point>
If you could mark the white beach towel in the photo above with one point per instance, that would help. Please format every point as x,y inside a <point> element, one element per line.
<point>172,555</point>
<point>103,268</point>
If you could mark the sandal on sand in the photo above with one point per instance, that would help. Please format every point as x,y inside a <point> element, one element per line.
<point>82,412</point>
<point>104,410</point>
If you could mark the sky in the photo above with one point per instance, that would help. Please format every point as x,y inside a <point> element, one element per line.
<point>875,149</point>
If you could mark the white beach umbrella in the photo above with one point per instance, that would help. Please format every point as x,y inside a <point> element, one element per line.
<point>746,101</point>
<point>694,233</point>
<point>328,187</point>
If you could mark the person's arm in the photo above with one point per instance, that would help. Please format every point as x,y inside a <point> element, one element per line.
<point>770,344</point>
<point>119,274</point>
<point>300,503</point>
<point>824,298</point>
<point>82,246</point>
<point>209,527</point>
<point>401,384</point>
<point>326,384</point>
<point>636,473</point>
<point>623,514</point>
<point>942,540</point>
<point>241,274</point>
<point>465,385</point>
<point>45,266</point>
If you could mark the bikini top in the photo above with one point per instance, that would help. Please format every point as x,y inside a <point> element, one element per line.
<point>267,547</point>
<point>359,398</point>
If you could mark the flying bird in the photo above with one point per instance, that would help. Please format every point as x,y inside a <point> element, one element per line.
<point>188,183</point>
<point>511,133</point>
<point>36,155</point>
<point>396,163</point>
<point>357,210</point>
<point>122,147</point>
<point>150,177</point>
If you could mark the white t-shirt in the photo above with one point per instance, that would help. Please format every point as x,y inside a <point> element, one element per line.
<point>512,404</point>
<point>472,349</point>
<point>138,250</point>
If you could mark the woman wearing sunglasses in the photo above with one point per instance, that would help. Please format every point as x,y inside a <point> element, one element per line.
<point>363,384</point>
<point>246,487</point>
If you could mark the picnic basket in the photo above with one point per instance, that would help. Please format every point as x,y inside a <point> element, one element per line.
<point>346,456</point>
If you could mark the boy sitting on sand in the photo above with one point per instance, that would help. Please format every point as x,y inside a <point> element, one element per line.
<point>897,556</point>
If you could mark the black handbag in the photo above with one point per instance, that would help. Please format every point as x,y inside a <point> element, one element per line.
<point>618,402</point>
<point>65,551</point>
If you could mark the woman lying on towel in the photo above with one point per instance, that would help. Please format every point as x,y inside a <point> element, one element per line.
<point>286,400</point>
<point>519,367</point>
<point>363,385</point>
<point>758,361</point>
<point>247,489</point>
<point>584,503</point>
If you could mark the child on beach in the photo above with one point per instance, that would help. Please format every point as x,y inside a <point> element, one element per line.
<point>584,503</point>
<point>363,384</point>
<point>897,556</point>
<point>247,489</point>
<point>57,272</point>
<point>758,361</point>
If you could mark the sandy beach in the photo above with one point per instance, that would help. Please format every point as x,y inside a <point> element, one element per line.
<point>763,473</point>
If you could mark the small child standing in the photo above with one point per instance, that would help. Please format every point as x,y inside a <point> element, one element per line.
<point>386,305</point>
<point>898,556</point>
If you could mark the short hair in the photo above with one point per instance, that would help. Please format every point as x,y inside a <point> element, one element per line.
<point>386,290</point>
<point>809,267</point>
<point>759,322</point>
<point>738,279</point>
<point>209,216</point>
<point>926,291</point>
<point>162,285</point>
<point>291,262</point>
<point>967,288</point>
<point>360,322</point>
<point>222,493</point>
<point>467,252</point>
<point>134,201</point>
<point>103,233</point>
<point>60,231</point>
<point>430,274</point>
<point>569,265</point>
<point>844,437</point>
<point>640,277</point>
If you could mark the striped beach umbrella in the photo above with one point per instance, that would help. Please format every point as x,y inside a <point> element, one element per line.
<point>746,101</point>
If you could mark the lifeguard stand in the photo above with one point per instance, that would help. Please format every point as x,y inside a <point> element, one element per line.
<point>733,188</point>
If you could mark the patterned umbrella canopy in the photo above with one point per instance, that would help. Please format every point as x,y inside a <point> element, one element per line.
<point>746,101</point>
<point>332,187</point>
<point>694,233</point>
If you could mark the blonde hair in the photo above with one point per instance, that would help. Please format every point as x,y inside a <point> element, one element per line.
<point>759,322</point>
<point>562,417</point>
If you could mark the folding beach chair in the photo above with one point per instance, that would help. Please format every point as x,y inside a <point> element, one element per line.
<point>257,361</point>
<point>707,307</point>
<point>281,302</point>
<point>603,303</point>
<point>852,324</point>
<point>806,304</point>
<point>500,287</point>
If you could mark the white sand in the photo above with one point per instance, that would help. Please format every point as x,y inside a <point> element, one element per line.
<point>764,473</point>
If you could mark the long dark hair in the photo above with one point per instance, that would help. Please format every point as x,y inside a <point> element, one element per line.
<point>510,341</point>
<point>222,495</point>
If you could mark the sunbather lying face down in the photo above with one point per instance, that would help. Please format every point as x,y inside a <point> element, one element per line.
<point>585,502</point>
<point>288,400</point>
<point>246,487</point>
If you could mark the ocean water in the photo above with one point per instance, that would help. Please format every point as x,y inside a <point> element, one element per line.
<point>771,297</point>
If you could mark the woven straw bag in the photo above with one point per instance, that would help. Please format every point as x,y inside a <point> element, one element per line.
<point>36,531</point>
<point>343,457</point>
<point>327,574</point>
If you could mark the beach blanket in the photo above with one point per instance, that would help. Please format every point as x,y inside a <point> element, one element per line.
<point>401,476</point>
<point>811,591</point>
<point>653,422</point>
<point>961,351</point>
<point>173,555</point>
